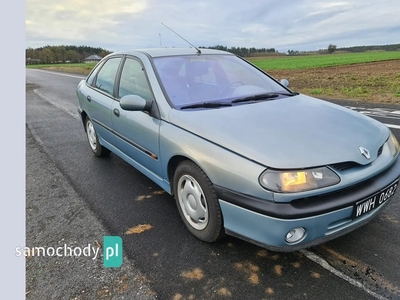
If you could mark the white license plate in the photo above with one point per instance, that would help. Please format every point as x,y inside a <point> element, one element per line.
<point>374,201</point>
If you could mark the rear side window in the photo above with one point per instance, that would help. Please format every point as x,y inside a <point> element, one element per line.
<point>106,77</point>
<point>93,74</point>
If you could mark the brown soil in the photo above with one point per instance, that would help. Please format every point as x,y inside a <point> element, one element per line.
<point>374,82</point>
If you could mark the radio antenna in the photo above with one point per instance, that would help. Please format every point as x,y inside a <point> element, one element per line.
<point>198,50</point>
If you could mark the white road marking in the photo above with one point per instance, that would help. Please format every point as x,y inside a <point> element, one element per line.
<point>380,113</point>
<point>324,264</point>
<point>393,126</point>
<point>75,115</point>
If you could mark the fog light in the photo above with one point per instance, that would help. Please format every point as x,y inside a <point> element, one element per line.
<point>295,235</point>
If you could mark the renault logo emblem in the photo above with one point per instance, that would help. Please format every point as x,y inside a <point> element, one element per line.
<point>365,152</point>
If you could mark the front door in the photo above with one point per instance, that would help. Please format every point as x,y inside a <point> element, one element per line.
<point>136,132</point>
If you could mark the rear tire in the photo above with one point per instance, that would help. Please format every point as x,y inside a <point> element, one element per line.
<point>93,139</point>
<point>197,202</point>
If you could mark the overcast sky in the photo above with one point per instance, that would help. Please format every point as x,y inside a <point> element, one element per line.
<point>281,24</point>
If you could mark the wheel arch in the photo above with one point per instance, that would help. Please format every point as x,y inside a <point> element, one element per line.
<point>174,162</point>
<point>194,173</point>
<point>83,118</point>
<point>172,165</point>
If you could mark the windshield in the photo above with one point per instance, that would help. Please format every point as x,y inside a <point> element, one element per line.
<point>194,79</point>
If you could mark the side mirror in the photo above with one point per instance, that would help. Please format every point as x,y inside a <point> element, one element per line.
<point>135,103</point>
<point>284,82</point>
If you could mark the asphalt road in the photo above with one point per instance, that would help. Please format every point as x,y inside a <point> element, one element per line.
<point>361,265</point>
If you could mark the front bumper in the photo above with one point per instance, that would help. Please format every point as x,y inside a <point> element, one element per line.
<point>324,217</point>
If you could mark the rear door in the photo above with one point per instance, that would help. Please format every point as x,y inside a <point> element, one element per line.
<point>99,98</point>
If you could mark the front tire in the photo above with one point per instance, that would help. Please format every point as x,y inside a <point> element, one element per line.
<point>197,202</point>
<point>93,139</point>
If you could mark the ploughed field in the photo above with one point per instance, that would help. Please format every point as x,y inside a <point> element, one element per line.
<point>373,81</point>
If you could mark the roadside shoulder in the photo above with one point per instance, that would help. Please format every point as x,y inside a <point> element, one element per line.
<point>57,218</point>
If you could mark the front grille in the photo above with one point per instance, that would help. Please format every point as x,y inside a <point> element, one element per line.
<point>380,150</point>
<point>344,165</point>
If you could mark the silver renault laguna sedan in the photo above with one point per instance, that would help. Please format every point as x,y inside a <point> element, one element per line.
<point>241,153</point>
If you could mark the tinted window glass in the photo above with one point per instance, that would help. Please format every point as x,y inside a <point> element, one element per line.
<point>134,81</point>
<point>92,75</point>
<point>106,76</point>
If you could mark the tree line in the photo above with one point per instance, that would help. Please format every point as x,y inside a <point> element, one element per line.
<point>357,49</point>
<point>243,51</point>
<point>76,54</point>
<point>61,54</point>
<point>391,47</point>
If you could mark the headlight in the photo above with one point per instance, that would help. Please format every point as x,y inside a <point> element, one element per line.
<point>291,181</point>
<point>393,144</point>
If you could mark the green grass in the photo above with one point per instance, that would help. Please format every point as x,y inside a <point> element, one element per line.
<point>43,66</point>
<point>397,93</point>
<point>268,63</point>
<point>320,61</point>
<point>81,68</point>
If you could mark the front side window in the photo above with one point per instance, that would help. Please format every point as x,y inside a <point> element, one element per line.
<point>134,81</point>
<point>105,79</point>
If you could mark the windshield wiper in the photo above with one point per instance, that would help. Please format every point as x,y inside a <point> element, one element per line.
<point>289,94</point>
<point>263,97</point>
<point>256,97</point>
<point>207,105</point>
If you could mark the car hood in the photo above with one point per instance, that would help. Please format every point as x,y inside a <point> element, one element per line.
<point>286,133</point>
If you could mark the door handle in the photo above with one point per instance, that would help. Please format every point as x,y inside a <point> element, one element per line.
<point>116,112</point>
<point>88,98</point>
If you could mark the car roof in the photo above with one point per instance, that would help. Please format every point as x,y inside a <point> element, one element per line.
<point>159,52</point>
